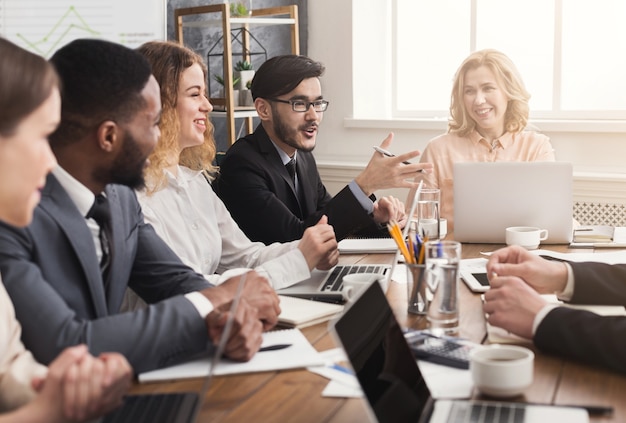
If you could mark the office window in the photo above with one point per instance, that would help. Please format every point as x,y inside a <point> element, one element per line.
<point>570,53</point>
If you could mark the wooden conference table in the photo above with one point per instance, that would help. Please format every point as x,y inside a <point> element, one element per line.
<point>295,395</point>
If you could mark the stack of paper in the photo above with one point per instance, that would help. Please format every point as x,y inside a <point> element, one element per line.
<point>599,237</point>
<point>299,353</point>
<point>598,233</point>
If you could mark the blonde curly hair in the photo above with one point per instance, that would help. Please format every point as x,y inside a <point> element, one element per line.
<point>169,60</point>
<point>509,80</point>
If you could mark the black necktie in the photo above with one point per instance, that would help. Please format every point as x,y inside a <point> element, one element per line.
<point>291,168</point>
<point>101,213</point>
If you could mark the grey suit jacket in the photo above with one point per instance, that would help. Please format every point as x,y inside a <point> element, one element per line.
<point>51,272</point>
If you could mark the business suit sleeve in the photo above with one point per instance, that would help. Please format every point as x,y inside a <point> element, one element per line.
<point>58,306</point>
<point>584,336</point>
<point>599,283</point>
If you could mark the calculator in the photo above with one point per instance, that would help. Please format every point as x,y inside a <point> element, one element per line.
<point>445,351</point>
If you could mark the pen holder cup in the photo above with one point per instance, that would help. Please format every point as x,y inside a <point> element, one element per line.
<point>416,284</point>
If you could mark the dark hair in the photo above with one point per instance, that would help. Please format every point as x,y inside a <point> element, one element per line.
<point>101,81</point>
<point>282,74</point>
<point>26,81</point>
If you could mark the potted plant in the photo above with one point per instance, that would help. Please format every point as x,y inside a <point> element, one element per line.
<point>245,72</point>
<point>245,96</point>
<point>220,81</point>
<point>239,10</point>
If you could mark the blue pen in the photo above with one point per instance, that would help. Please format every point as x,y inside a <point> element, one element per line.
<point>418,246</point>
<point>342,369</point>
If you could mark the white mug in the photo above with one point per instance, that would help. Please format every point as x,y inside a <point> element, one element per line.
<point>528,237</point>
<point>355,283</point>
<point>502,370</point>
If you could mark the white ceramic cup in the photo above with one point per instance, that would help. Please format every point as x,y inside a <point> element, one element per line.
<point>355,283</point>
<point>528,237</point>
<point>502,370</point>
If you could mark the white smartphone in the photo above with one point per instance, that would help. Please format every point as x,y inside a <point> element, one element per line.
<point>476,281</point>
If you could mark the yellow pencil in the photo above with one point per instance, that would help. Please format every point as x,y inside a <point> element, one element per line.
<point>396,234</point>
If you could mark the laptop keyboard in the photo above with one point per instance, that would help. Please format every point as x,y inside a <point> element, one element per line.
<point>154,408</point>
<point>335,279</point>
<point>476,412</point>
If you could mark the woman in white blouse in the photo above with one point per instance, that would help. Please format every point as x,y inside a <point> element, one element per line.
<point>179,201</point>
<point>76,386</point>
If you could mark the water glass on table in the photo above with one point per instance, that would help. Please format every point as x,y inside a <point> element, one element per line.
<point>427,214</point>
<point>443,259</point>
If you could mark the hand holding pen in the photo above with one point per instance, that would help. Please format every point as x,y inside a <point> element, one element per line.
<point>383,172</point>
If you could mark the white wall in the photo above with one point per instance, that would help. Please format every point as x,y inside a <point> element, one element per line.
<point>343,147</point>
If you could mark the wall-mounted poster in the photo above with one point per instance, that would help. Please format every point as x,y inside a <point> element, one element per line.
<point>43,26</point>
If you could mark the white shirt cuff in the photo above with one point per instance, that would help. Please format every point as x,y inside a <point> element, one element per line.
<point>540,316</point>
<point>201,303</point>
<point>568,292</point>
<point>286,270</point>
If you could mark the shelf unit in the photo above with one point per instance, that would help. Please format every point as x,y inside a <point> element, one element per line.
<point>219,15</point>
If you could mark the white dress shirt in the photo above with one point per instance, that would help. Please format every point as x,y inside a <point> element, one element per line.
<point>566,295</point>
<point>195,223</point>
<point>364,200</point>
<point>17,365</point>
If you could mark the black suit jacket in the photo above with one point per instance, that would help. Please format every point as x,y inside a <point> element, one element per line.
<point>51,272</point>
<point>260,195</point>
<point>586,336</point>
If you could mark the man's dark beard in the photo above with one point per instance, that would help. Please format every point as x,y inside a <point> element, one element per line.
<point>286,134</point>
<point>128,166</point>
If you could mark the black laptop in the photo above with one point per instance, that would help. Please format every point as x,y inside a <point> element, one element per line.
<point>394,386</point>
<point>178,407</point>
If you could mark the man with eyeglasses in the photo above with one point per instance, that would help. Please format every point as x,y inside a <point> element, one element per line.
<point>269,179</point>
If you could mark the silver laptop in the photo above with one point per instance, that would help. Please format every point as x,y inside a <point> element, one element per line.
<point>489,197</point>
<point>327,285</point>
<point>179,407</point>
<point>393,385</point>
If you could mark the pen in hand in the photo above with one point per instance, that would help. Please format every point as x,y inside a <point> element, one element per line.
<point>275,347</point>
<point>389,154</point>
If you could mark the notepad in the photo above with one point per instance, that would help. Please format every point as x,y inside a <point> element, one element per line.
<point>367,245</point>
<point>300,354</point>
<point>300,313</point>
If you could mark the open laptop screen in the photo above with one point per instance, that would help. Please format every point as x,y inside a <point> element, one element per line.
<point>489,197</point>
<point>380,356</point>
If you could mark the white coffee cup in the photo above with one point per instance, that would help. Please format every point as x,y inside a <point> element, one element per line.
<point>355,283</point>
<point>502,370</point>
<point>528,237</point>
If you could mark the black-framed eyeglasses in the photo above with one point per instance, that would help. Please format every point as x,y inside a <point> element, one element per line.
<point>303,106</point>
